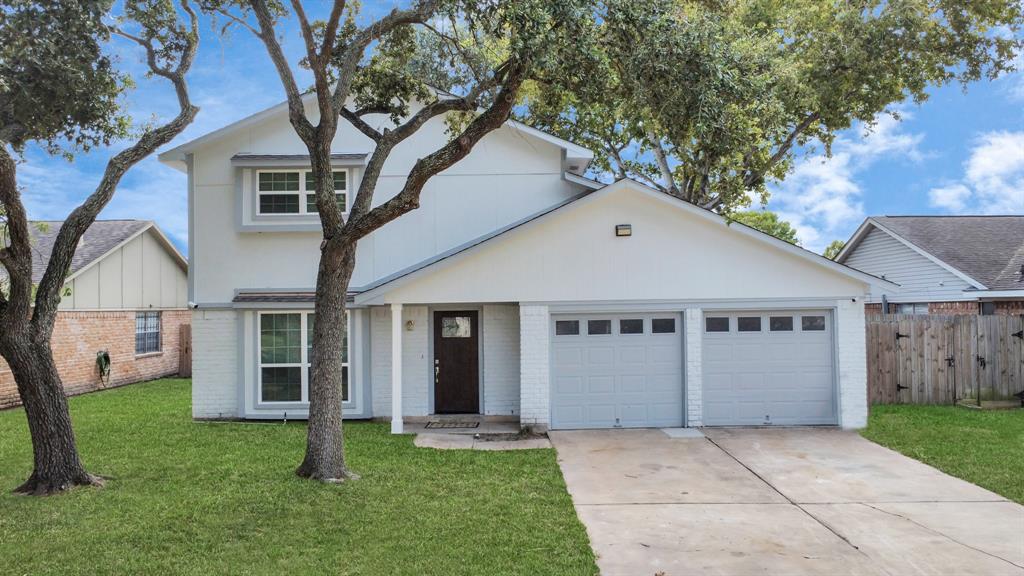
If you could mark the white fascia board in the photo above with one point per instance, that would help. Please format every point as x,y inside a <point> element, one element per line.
<point>854,240</point>
<point>983,294</point>
<point>928,255</point>
<point>583,181</point>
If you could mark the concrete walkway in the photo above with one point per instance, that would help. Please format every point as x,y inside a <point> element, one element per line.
<point>780,501</point>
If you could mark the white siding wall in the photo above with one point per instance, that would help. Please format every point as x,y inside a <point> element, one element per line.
<point>534,365</point>
<point>693,323</point>
<point>573,255</point>
<point>506,177</point>
<point>501,359</point>
<point>920,279</point>
<point>852,360</point>
<point>214,364</point>
<point>415,361</point>
<point>140,274</point>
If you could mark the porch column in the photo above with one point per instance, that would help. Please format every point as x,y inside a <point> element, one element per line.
<point>396,369</point>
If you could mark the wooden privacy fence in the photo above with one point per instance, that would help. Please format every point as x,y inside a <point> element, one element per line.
<point>185,351</point>
<point>932,359</point>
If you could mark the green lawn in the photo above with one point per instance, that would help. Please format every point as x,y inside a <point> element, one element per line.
<point>983,447</point>
<point>211,498</point>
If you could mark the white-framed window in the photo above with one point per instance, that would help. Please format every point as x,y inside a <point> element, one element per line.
<point>147,332</point>
<point>286,354</point>
<point>293,192</point>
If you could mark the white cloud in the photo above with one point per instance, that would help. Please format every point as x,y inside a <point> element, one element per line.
<point>821,198</point>
<point>953,197</point>
<point>993,181</point>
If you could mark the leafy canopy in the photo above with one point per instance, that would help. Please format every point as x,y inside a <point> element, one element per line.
<point>833,249</point>
<point>769,223</point>
<point>710,100</point>
<point>56,85</point>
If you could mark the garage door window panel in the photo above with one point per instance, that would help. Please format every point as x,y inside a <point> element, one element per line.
<point>780,324</point>
<point>716,324</point>
<point>663,326</point>
<point>567,328</point>
<point>631,326</point>
<point>748,323</point>
<point>599,327</point>
<point>812,323</point>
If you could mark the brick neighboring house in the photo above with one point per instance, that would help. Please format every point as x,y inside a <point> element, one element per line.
<point>943,264</point>
<point>126,294</point>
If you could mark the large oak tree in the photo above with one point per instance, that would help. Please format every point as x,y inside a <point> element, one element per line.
<point>61,90</point>
<point>710,101</point>
<point>461,60</point>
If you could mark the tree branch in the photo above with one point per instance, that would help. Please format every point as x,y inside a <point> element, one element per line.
<point>48,292</point>
<point>331,30</point>
<point>756,177</point>
<point>662,159</point>
<point>391,138</point>
<point>425,168</point>
<point>354,118</point>
<point>296,109</point>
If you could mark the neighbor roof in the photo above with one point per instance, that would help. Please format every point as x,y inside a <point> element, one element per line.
<point>102,237</point>
<point>988,249</point>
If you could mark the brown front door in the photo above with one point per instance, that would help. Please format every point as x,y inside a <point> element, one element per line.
<point>456,363</point>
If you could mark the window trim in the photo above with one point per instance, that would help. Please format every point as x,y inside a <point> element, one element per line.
<point>302,193</point>
<point>304,360</point>
<point>159,333</point>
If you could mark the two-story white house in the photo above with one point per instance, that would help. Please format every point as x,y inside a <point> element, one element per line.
<point>519,289</point>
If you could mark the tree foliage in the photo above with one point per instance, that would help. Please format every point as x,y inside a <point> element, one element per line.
<point>769,223</point>
<point>57,86</point>
<point>709,101</point>
<point>833,249</point>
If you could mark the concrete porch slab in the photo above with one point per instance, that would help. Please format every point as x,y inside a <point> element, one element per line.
<point>468,442</point>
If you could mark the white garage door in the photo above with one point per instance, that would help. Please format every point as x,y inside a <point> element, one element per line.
<point>617,371</point>
<point>768,368</point>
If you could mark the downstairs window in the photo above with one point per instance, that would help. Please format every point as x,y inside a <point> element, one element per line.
<point>286,356</point>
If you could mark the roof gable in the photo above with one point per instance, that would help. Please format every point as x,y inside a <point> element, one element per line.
<point>100,239</point>
<point>985,251</point>
<point>577,157</point>
<point>571,252</point>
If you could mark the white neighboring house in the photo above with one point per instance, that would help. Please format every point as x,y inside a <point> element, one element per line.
<point>518,290</point>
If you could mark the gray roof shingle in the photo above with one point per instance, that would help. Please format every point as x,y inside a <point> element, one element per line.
<point>989,249</point>
<point>99,239</point>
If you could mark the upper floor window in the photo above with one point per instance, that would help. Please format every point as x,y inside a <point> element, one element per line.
<point>294,191</point>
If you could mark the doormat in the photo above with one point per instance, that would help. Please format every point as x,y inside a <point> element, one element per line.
<point>439,424</point>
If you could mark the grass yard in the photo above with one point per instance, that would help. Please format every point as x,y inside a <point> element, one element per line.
<point>219,498</point>
<point>983,447</point>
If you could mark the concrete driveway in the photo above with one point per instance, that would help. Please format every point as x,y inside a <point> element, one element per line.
<point>780,501</point>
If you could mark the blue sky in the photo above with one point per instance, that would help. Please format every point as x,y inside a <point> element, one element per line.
<point>958,153</point>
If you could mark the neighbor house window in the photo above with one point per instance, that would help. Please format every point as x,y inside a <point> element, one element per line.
<point>286,356</point>
<point>918,308</point>
<point>988,308</point>
<point>294,191</point>
<point>147,332</point>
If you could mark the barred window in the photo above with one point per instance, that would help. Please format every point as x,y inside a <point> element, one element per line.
<point>147,332</point>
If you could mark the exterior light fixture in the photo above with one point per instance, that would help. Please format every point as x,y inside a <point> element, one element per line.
<point>623,229</point>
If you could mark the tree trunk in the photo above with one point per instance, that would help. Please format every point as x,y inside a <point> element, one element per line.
<point>56,465</point>
<point>325,444</point>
